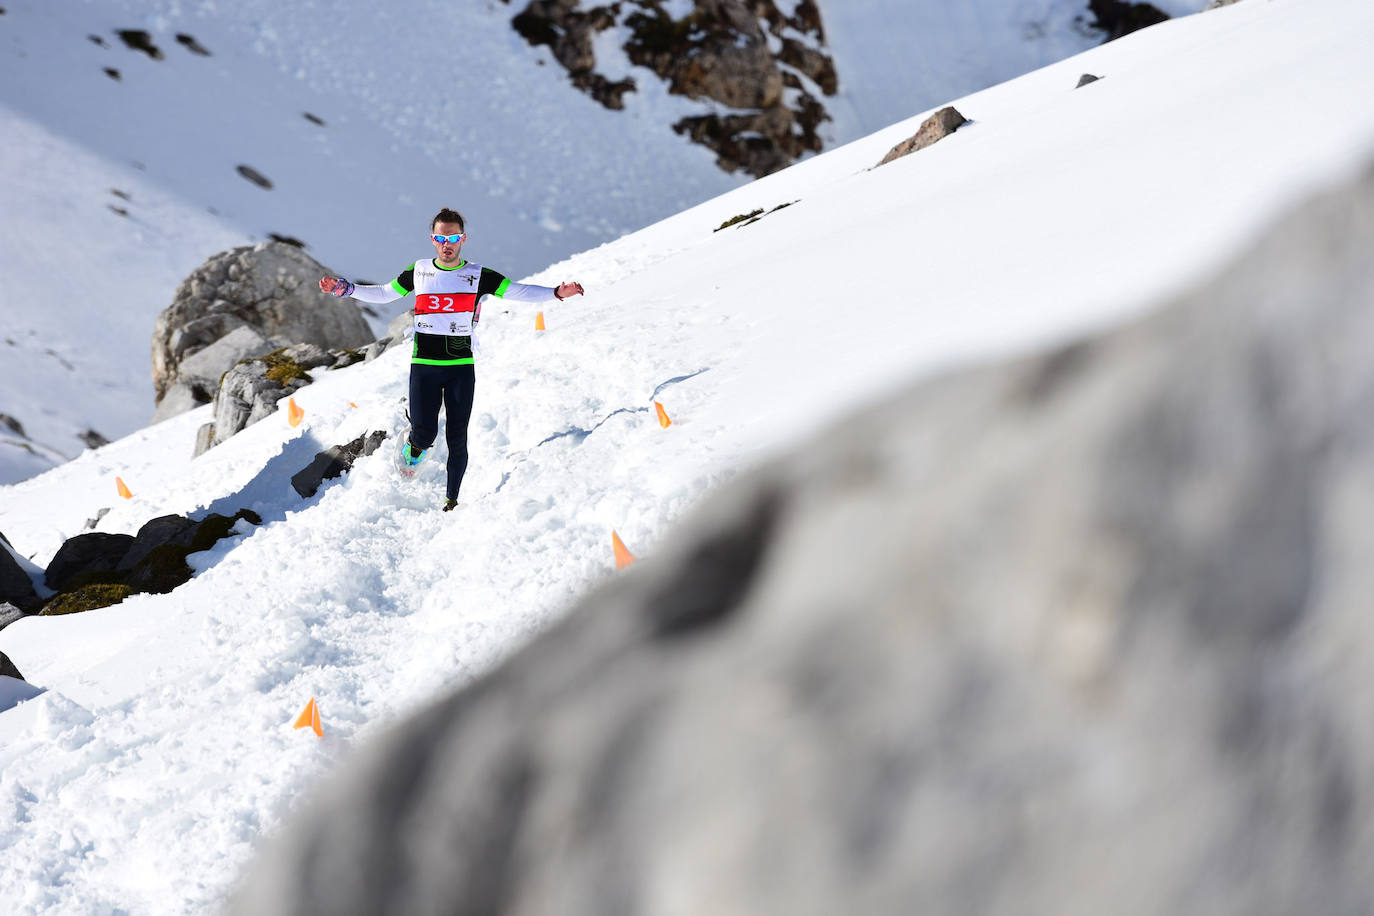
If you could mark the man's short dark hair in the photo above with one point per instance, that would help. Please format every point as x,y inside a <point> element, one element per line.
<point>448,216</point>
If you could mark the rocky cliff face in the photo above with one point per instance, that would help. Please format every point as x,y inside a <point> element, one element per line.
<point>767,67</point>
<point>762,66</point>
<point>1082,633</point>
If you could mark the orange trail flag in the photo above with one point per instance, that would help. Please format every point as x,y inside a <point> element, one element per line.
<point>539,321</point>
<point>623,557</point>
<point>662,415</point>
<point>122,488</point>
<point>293,413</point>
<point>310,718</point>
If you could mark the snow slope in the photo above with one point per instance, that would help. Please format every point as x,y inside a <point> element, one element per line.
<point>165,721</point>
<point>416,104</point>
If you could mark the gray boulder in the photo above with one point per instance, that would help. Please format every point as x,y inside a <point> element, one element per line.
<point>9,614</point>
<point>396,332</point>
<point>251,389</point>
<point>268,293</point>
<point>1083,633</point>
<point>199,375</point>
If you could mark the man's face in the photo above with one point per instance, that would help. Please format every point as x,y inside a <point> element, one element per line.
<point>448,251</point>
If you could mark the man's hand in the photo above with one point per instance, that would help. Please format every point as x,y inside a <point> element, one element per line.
<point>571,288</point>
<point>336,286</point>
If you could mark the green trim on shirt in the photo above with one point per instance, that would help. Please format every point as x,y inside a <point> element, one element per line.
<point>466,361</point>
<point>500,292</point>
<point>459,266</point>
<point>398,289</point>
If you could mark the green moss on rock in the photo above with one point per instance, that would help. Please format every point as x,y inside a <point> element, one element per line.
<point>738,219</point>
<point>86,598</point>
<point>163,569</point>
<point>284,370</point>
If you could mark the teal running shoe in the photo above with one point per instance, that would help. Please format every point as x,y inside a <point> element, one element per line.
<point>410,458</point>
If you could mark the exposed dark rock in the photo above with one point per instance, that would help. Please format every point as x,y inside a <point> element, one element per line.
<point>155,533</point>
<point>92,439</point>
<point>1120,17</point>
<point>16,587</point>
<point>287,240</point>
<point>241,303</point>
<point>113,74</point>
<point>1101,612</point>
<point>190,43</point>
<point>96,551</point>
<point>97,570</point>
<point>253,175</point>
<point>99,514</point>
<point>12,425</point>
<point>936,127</point>
<point>812,63</point>
<point>1085,79</point>
<point>313,119</point>
<point>334,462</point>
<point>9,614</point>
<point>7,668</point>
<point>139,40</point>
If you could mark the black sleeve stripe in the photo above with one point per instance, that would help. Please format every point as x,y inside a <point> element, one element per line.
<point>489,283</point>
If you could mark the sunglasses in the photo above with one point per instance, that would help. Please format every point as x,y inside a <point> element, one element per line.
<point>451,239</point>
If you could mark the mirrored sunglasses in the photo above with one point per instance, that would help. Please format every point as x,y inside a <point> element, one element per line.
<point>451,239</point>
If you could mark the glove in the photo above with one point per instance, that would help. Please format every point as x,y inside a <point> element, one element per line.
<point>341,288</point>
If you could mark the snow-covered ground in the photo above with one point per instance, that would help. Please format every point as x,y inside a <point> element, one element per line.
<point>161,750</point>
<point>366,118</point>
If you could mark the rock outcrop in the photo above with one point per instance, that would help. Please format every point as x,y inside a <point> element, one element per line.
<point>243,303</point>
<point>97,569</point>
<point>9,614</point>
<point>252,387</point>
<point>1122,17</point>
<point>739,54</point>
<point>16,586</point>
<point>7,668</point>
<point>333,462</point>
<point>1083,633</point>
<point>936,127</point>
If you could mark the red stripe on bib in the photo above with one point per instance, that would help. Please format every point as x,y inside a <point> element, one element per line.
<point>444,303</point>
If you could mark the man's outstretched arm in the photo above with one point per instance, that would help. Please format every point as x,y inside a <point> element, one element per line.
<point>403,285</point>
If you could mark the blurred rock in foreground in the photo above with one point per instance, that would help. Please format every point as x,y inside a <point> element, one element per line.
<point>1087,633</point>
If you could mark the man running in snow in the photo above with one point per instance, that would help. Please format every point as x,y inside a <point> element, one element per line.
<point>448,293</point>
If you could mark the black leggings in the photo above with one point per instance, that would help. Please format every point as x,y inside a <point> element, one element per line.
<point>453,386</point>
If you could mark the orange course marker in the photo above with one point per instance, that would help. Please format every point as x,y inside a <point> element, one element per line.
<point>623,557</point>
<point>539,321</point>
<point>310,718</point>
<point>122,488</point>
<point>662,416</point>
<point>294,414</point>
